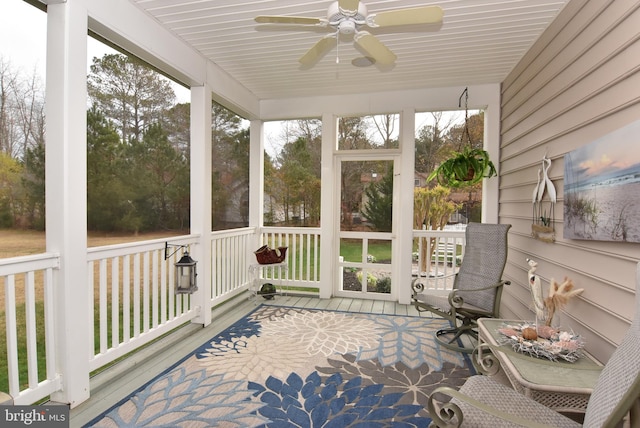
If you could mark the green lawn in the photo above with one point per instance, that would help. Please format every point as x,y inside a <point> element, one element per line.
<point>351,250</point>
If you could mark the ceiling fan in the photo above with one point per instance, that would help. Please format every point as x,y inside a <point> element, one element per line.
<point>347,17</point>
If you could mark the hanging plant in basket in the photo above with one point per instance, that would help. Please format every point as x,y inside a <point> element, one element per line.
<point>466,167</point>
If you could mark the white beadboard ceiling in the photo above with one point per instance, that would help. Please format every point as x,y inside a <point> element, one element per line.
<point>478,42</point>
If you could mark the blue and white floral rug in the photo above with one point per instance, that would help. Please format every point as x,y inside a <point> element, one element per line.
<point>292,367</point>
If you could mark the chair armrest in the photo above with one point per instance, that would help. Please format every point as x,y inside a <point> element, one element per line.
<point>449,415</point>
<point>457,301</point>
<point>484,360</point>
<point>417,286</point>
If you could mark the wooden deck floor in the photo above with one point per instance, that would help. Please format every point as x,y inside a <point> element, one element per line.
<point>119,381</point>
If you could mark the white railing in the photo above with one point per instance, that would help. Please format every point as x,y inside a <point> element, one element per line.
<point>230,252</point>
<point>303,256</point>
<point>132,299</point>
<point>28,295</point>
<point>437,255</point>
<point>131,296</point>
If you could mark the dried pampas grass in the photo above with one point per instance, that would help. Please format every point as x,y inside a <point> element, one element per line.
<point>559,295</point>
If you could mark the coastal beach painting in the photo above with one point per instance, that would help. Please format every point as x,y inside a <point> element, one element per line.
<point>602,188</point>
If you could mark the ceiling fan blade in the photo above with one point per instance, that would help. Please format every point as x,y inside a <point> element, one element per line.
<point>265,19</point>
<point>411,16</point>
<point>374,48</point>
<point>319,50</point>
<point>349,5</point>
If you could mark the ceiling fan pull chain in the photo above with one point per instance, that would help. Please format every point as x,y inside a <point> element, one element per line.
<point>337,56</point>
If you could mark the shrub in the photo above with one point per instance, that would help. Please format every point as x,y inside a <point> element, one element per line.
<point>371,279</point>
<point>383,285</point>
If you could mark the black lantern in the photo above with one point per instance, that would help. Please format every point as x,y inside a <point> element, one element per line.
<point>185,272</point>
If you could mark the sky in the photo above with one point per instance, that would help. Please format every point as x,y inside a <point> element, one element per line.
<point>23,42</point>
<point>606,157</point>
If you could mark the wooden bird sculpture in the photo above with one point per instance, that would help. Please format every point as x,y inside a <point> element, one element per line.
<point>534,198</point>
<point>546,185</point>
<point>551,189</point>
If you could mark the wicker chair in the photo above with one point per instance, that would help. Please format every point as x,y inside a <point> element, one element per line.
<point>484,402</point>
<point>477,286</point>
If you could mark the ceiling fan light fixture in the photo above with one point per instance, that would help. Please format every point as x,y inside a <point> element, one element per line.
<point>347,27</point>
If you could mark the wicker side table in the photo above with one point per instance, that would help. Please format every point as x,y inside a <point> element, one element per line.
<point>562,386</point>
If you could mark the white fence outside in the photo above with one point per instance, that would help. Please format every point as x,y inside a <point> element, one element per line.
<point>437,256</point>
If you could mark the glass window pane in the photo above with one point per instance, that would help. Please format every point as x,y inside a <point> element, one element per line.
<point>380,281</point>
<point>379,251</point>
<point>366,196</point>
<point>438,135</point>
<point>351,279</point>
<point>351,250</point>
<point>292,184</point>
<point>137,147</point>
<point>369,132</point>
<point>22,127</point>
<point>229,169</point>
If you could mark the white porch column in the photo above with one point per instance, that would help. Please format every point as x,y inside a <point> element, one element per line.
<point>404,222</point>
<point>66,193</point>
<point>328,227</point>
<point>491,186</point>
<point>201,158</point>
<point>256,173</point>
<point>256,180</point>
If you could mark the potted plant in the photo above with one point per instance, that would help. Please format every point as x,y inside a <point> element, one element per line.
<point>467,167</point>
<point>464,168</point>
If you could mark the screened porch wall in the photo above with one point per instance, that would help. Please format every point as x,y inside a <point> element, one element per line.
<point>577,83</point>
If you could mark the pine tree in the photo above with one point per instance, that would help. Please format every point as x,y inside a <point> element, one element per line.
<point>379,202</point>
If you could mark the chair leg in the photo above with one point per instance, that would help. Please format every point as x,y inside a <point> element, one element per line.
<point>466,328</point>
<point>446,331</point>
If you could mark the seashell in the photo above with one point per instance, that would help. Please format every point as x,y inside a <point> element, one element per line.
<point>508,332</point>
<point>568,345</point>
<point>546,331</point>
<point>529,333</point>
<point>565,336</point>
